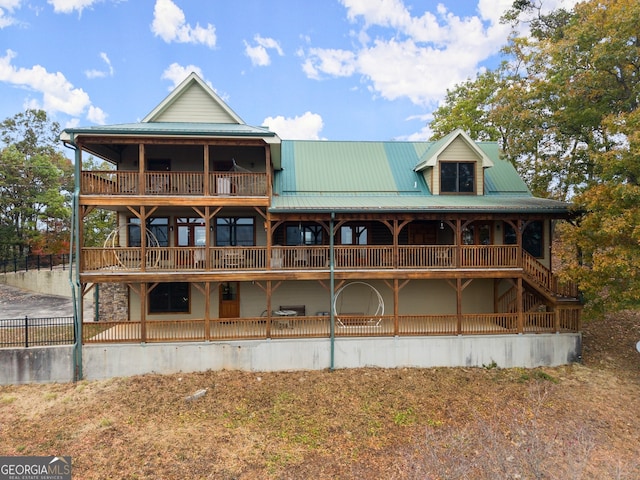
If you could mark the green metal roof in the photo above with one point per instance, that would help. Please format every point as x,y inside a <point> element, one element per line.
<point>363,176</point>
<point>172,129</point>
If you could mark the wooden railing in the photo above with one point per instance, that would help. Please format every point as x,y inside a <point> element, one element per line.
<point>565,321</point>
<point>544,278</point>
<point>120,182</point>
<point>296,257</point>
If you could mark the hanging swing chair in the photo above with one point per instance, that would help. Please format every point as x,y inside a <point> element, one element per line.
<point>129,257</point>
<point>360,305</point>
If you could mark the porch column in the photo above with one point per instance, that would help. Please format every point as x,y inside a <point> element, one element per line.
<point>205,182</point>
<point>459,305</point>
<point>269,291</point>
<point>143,238</point>
<point>396,296</point>
<point>141,164</point>
<point>143,312</point>
<point>207,310</point>
<point>458,234</point>
<point>519,297</point>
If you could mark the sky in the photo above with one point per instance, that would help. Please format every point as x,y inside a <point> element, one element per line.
<point>308,69</point>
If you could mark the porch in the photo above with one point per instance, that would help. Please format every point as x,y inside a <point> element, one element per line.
<point>157,183</point>
<point>566,319</point>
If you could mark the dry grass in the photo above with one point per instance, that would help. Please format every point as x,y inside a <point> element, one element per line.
<point>573,422</point>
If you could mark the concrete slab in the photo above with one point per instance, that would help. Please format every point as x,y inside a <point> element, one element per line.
<point>18,303</point>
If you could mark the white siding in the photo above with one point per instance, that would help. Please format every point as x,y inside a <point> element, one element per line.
<point>195,105</point>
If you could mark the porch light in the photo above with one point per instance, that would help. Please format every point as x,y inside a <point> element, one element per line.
<point>441,225</point>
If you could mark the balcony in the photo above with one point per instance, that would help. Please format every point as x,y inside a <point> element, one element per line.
<point>347,257</point>
<point>120,182</point>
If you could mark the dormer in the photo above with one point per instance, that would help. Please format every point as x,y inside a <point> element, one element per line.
<point>454,165</point>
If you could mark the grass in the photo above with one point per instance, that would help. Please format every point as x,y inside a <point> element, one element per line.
<point>576,421</point>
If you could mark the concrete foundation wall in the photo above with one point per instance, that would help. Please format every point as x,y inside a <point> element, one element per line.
<point>106,361</point>
<point>36,365</point>
<point>47,282</point>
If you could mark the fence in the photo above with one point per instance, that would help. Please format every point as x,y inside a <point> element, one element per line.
<point>32,332</point>
<point>34,262</point>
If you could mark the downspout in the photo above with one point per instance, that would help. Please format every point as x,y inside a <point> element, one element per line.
<point>74,276</point>
<point>332,322</point>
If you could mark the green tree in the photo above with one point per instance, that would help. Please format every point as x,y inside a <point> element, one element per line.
<point>565,108</point>
<point>35,185</point>
<point>99,223</point>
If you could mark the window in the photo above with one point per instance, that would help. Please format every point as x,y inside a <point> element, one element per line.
<point>235,231</point>
<point>157,226</point>
<point>532,238</point>
<point>304,235</point>
<point>169,298</point>
<point>457,177</point>
<point>353,235</point>
<point>191,232</point>
<point>477,234</point>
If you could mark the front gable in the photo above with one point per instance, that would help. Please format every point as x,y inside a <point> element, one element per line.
<point>193,101</point>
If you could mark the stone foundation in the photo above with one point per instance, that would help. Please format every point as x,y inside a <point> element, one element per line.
<point>113,303</point>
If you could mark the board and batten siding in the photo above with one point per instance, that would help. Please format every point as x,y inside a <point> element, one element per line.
<point>195,105</point>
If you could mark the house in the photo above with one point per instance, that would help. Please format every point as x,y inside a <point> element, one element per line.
<point>237,249</point>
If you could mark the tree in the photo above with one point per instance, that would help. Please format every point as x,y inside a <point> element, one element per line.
<point>565,109</point>
<point>35,184</point>
<point>99,223</point>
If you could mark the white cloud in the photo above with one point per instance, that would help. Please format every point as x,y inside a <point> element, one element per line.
<point>6,9</point>
<point>415,56</point>
<point>68,6</point>
<point>96,115</point>
<point>101,73</point>
<point>305,127</point>
<point>169,23</point>
<point>58,94</point>
<point>337,63</point>
<point>176,73</point>
<point>258,54</point>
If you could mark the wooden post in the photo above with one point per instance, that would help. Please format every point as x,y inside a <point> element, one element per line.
<point>143,239</point>
<point>143,312</point>
<point>519,297</point>
<point>268,308</point>
<point>207,310</point>
<point>205,180</point>
<point>141,164</point>
<point>396,297</point>
<point>459,305</point>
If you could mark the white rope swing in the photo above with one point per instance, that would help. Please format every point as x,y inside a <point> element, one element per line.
<point>129,258</point>
<point>367,310</point>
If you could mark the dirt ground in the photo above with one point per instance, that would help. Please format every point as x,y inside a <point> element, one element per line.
<point>572,422</point>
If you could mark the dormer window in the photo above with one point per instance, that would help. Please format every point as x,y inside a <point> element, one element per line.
<point>457,177</point>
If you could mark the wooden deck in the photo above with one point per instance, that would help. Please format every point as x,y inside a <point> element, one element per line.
<point>566,320</point>
<point>378,257</point>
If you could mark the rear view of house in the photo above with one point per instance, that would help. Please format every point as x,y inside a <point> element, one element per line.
<point>236,249</point>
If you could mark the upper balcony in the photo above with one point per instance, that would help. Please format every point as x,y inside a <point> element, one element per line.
<point>162,183</point>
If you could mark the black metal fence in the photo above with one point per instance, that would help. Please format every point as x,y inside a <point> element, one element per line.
<point>32,332</point>
<point>34,262</point>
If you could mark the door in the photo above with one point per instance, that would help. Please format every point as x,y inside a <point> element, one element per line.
<point>422,234</point>
<point>191,233</point>
<point>229,300</point>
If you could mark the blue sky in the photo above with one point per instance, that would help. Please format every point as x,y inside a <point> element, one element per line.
<point>309,69</point>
